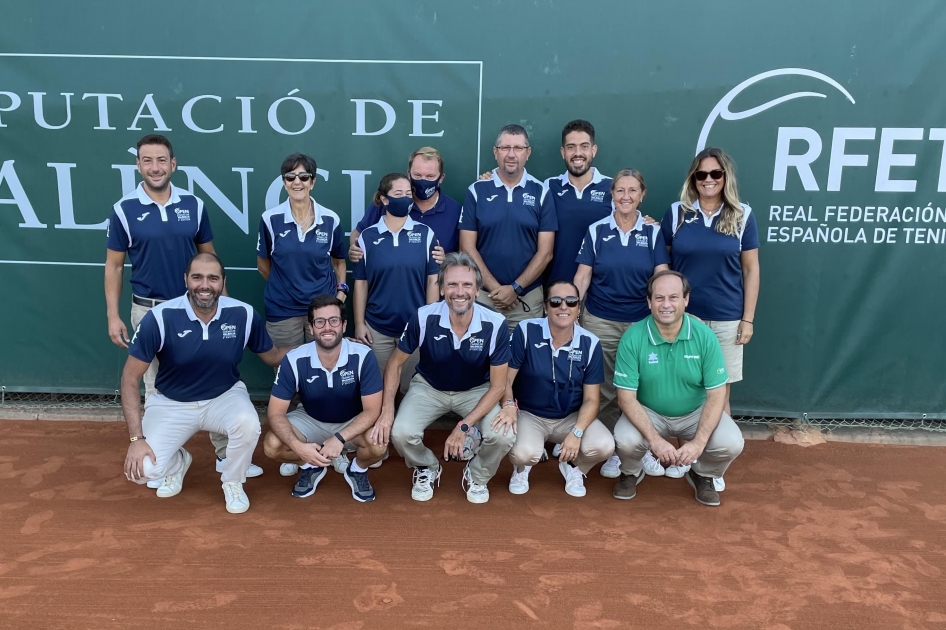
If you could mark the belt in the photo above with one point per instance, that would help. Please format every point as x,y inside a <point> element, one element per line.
<point>148,302</point>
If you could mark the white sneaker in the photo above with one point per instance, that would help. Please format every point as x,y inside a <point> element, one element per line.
<point>171,485</point>
<point>252,471</point>
<point>237,501</point>
<point>611,468</point>
<point>340,463</point>
<point>652,466</point>
<point>574,479</point>
<point>471,444</point>
<point>377,464</point>
<point>288,469</point>
<point>519,482</point>
<point>556,451</point>
<point>424,479</point>
<point>719,484</point>
<point>155,483</point>
<point>676,472</point>
<point>475,493</point>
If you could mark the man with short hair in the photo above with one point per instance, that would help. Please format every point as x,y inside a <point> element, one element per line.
<point>339,383</point>
<point>670,374</point>
<point>432,206</point>
<point>199,339</point>
<point>464,353</point>
<point>581,195</point>
<point>159,227</point>
<point>508,227</point>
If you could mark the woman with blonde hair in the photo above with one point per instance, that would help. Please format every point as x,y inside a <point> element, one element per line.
<point>713,240</point>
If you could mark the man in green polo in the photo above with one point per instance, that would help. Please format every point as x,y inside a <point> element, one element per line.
<point>670,377</point>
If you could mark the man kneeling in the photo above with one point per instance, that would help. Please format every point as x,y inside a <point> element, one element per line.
<point>339,383</point>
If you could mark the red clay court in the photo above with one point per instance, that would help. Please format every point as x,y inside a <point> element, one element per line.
<point>834,536</point>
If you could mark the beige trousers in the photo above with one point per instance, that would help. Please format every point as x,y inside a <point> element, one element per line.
<point>609,334</point>
<point>534,431</point>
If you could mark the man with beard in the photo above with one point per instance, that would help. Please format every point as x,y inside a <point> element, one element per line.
<point>198,339</point>
<point>581,196</point>
<point>160,227</point>
<point>339,383</point>
<point>508,227</point>
<point>464,354</point>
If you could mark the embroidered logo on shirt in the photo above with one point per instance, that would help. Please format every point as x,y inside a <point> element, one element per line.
<point>720,370</point>
<point>641,240</point>
<point>562,194</point>
<point>491,197</point>
<point>691,356</point>
<point>321,237</point>
<point>379,240</point>
<point>574,355</point>
<point>652,359</point>
<point>607,238</point>
<point>228,330</point>
<point>439,337</point>
<point>413,237</point>
<point>183,214</point>
<point>142,217</point>
<point>183,334</point>
<point>476,344</point>
<point>348,377</point>
<point>541,345</point>
<point>597,195</point>
<point>281,234</point>
<point>528,200</point>
<point>311,378</point>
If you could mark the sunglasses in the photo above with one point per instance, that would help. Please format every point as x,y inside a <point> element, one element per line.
<point>716,173</point>
<point>303,177</point>
<point>571,301</point>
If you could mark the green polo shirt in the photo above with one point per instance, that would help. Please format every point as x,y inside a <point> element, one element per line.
<point>670,378</point>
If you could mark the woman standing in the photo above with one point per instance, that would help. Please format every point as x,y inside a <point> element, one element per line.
<point>300,253</point>
<point>713,240</point>
<point>396,275</point>
<point>617,258</point>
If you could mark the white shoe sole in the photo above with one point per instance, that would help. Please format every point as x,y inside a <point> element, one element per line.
<point>421,497</point>
<point>477,498</point>
<point>518,490</point>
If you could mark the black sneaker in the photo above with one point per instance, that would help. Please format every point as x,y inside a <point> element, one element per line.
<point>626,487</point>
<point>307,481</point>
<point>361,488</point>
<point>704,487</point>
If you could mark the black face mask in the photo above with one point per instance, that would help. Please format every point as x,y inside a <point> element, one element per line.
<point>424,189</point>
<point>399,206</point>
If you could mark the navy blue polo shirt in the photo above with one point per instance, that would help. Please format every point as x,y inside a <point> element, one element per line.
<point>198,361</point>
<point>711,261</point>
<point>507,222</point>
<point>621,264</point>
<point>449,363</point>
<point>331,396</point>
<point>443,219</point>
<point>550,380</point>
<point>301,261</point>
<point>159,240</point>
<point>575,210</point>
<point>396,266</point>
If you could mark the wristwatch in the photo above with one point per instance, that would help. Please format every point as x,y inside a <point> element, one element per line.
<point>341,286</point>
<point>517,288</point>
<point>463,426</point>
<point>577,432</point>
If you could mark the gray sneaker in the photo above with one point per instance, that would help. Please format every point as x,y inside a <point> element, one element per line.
<point>361,489</point>
<point>626,487</point>
<point>703,486</point>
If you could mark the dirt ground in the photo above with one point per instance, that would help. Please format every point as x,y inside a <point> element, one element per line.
<point>834,536</point>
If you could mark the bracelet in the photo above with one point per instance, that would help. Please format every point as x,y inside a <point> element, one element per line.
<point>338,436</point>
<point>136,438</point>
<point>510,403</point>
<point>747,321</point>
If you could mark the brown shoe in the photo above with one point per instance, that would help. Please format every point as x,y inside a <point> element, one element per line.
<point>626,487</point>
<point>705,491</point>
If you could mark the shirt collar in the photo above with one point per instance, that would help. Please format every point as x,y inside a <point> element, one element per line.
<point>686,331</point>
<point>344,351</point>
<point>193,316</point>
<point>547,335</point>
<point>383,227</point>
<point>476,324</point>
<point>638,227</point>
<point>287,212</point>
<point>520,183</point>
<point>596,178</point>
<point>145,200</point>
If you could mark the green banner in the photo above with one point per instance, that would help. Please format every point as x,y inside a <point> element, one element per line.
<point>834,119</point>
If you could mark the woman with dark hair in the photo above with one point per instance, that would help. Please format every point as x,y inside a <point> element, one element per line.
<point>300,252</point>
<point>713,240</point>
<point>396,275</point>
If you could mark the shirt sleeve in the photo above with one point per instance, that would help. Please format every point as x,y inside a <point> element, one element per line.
<point>586,254</point>
<point>410,338</point>
<point>372,216</point>
<point>661,257</point>
<point>666,227</point>
<point>147,339</point>
<point>626,373</point>
<point>594,372</point>
<point>285,386</point>
<point>714,366</point>
<point>750,235</point>
<point>468,213</point>
<point>259,341</point>
<point>371,381</point>
<point>205,233</point>
<point>263,244</point>
<point>338,245</point>
<point>501,354</point>
<point>517,348</point>
<point>432,267</point>
<point>360,272</point>
<point>116,239</point>
<point>548,218</point>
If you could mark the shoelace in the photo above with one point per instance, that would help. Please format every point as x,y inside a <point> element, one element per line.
<point>361,480</point>
<point>575,476</point>
<point>520,477</point>
<point>423,477</point>
<point>231,491</point>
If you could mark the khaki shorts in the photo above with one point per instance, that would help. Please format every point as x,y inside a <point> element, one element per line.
<point>732,354</point>
<point>289,332</point>
<point>532,299</point>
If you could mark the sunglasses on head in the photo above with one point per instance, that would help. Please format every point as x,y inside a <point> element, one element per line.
<point>571,301</point>
<point>303,177</point>
<point>716,173</point>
